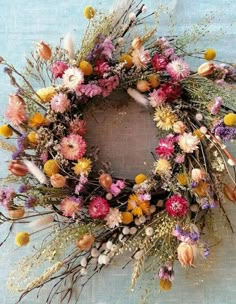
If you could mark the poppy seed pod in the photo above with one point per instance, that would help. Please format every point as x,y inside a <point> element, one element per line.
<point>17,168</point>
<point>205,69</point>
<point>185,254</point>
<point>44,50</point>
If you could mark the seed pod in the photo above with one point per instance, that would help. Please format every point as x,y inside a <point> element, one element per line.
<point>17,168</point>
<point>230,192</point>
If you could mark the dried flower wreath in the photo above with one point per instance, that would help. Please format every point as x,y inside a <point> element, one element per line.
<point>91,216</point>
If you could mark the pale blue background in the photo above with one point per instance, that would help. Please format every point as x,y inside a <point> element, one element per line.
<point>24,22</point>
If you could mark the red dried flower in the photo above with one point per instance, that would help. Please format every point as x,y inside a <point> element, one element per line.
<point>176,205</point>
<point>159,62</point>
<point>98,208</point>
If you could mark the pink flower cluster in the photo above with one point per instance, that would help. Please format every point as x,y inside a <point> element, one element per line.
<point>117,187</point>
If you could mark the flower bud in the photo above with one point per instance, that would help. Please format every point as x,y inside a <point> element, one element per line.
<point>137,43</point>
<point>197,175</point>
<point>17,168</point>
<point>206,69</point>
<point>44,51</point>
<point>185,254</point>
<point>179,127</point>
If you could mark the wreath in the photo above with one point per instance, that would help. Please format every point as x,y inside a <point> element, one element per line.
<point>67,191</point>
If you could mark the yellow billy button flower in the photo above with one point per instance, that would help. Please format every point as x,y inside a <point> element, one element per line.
<point>22,239</point>
<point>140,178</point>
<point>165,285</point>
<point>89,12</point>
<point>33,138</point>
<point>51,167</point>
<point>46,94</point>
<point>230,119</point>
<point>83,166</point>
<point>154,80</point>
<point>36,120</point>
<point>127,217</point>
<point>86,67</point>
<point>128,59</point>
<point>210,54</point>
<point>5,131</point>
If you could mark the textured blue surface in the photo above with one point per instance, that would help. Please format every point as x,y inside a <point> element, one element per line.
<point>24,22</point>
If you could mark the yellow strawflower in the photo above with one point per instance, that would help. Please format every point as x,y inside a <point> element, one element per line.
<point>51,167</point>
<point>46,94</point>
<point>210,54</point>
<point>36,120</point>
<point>22,239</point>
<point>86,67</point>
<point>89,12</point>
<point>83,166</point>
<point>164,117</point>
<point>5,131</point>
<point>230,119</point>
<point>182,179</point>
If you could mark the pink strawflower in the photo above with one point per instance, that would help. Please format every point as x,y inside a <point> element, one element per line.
<point>165,148</point>
<point>113,218</point>
<point>58,68</point>
<point>108,48</point>
<point>188,142</point>
<point>73,147</point>
<point>60,103</point>
<point>172,91</point>
<point>108,85</point>
<point>176,206</point>
<point>157,97</point>
<point>73,77</point>
<point>159,62</point>
<point>178,69</point>
<point>216,105</point>
<point>16,112</point>
<point>78,126</point>
<point>71,206</point>
<point>98,208</point>
<point>141,58</point>
<point>91,90</point>
<point>102,67</point>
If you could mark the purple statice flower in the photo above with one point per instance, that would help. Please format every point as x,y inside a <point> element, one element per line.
<point>6,196</point>
<point>107,48</point>
<point>185,236</point>
<point>225,133</point>
<point>23,188</point>
<point>216,105</point>
<point>166,272</point>
<point>20,146</point>
<point>206,251</point>
<point>30,201</point>
<point>204,202</point>
<point>194,236</point>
